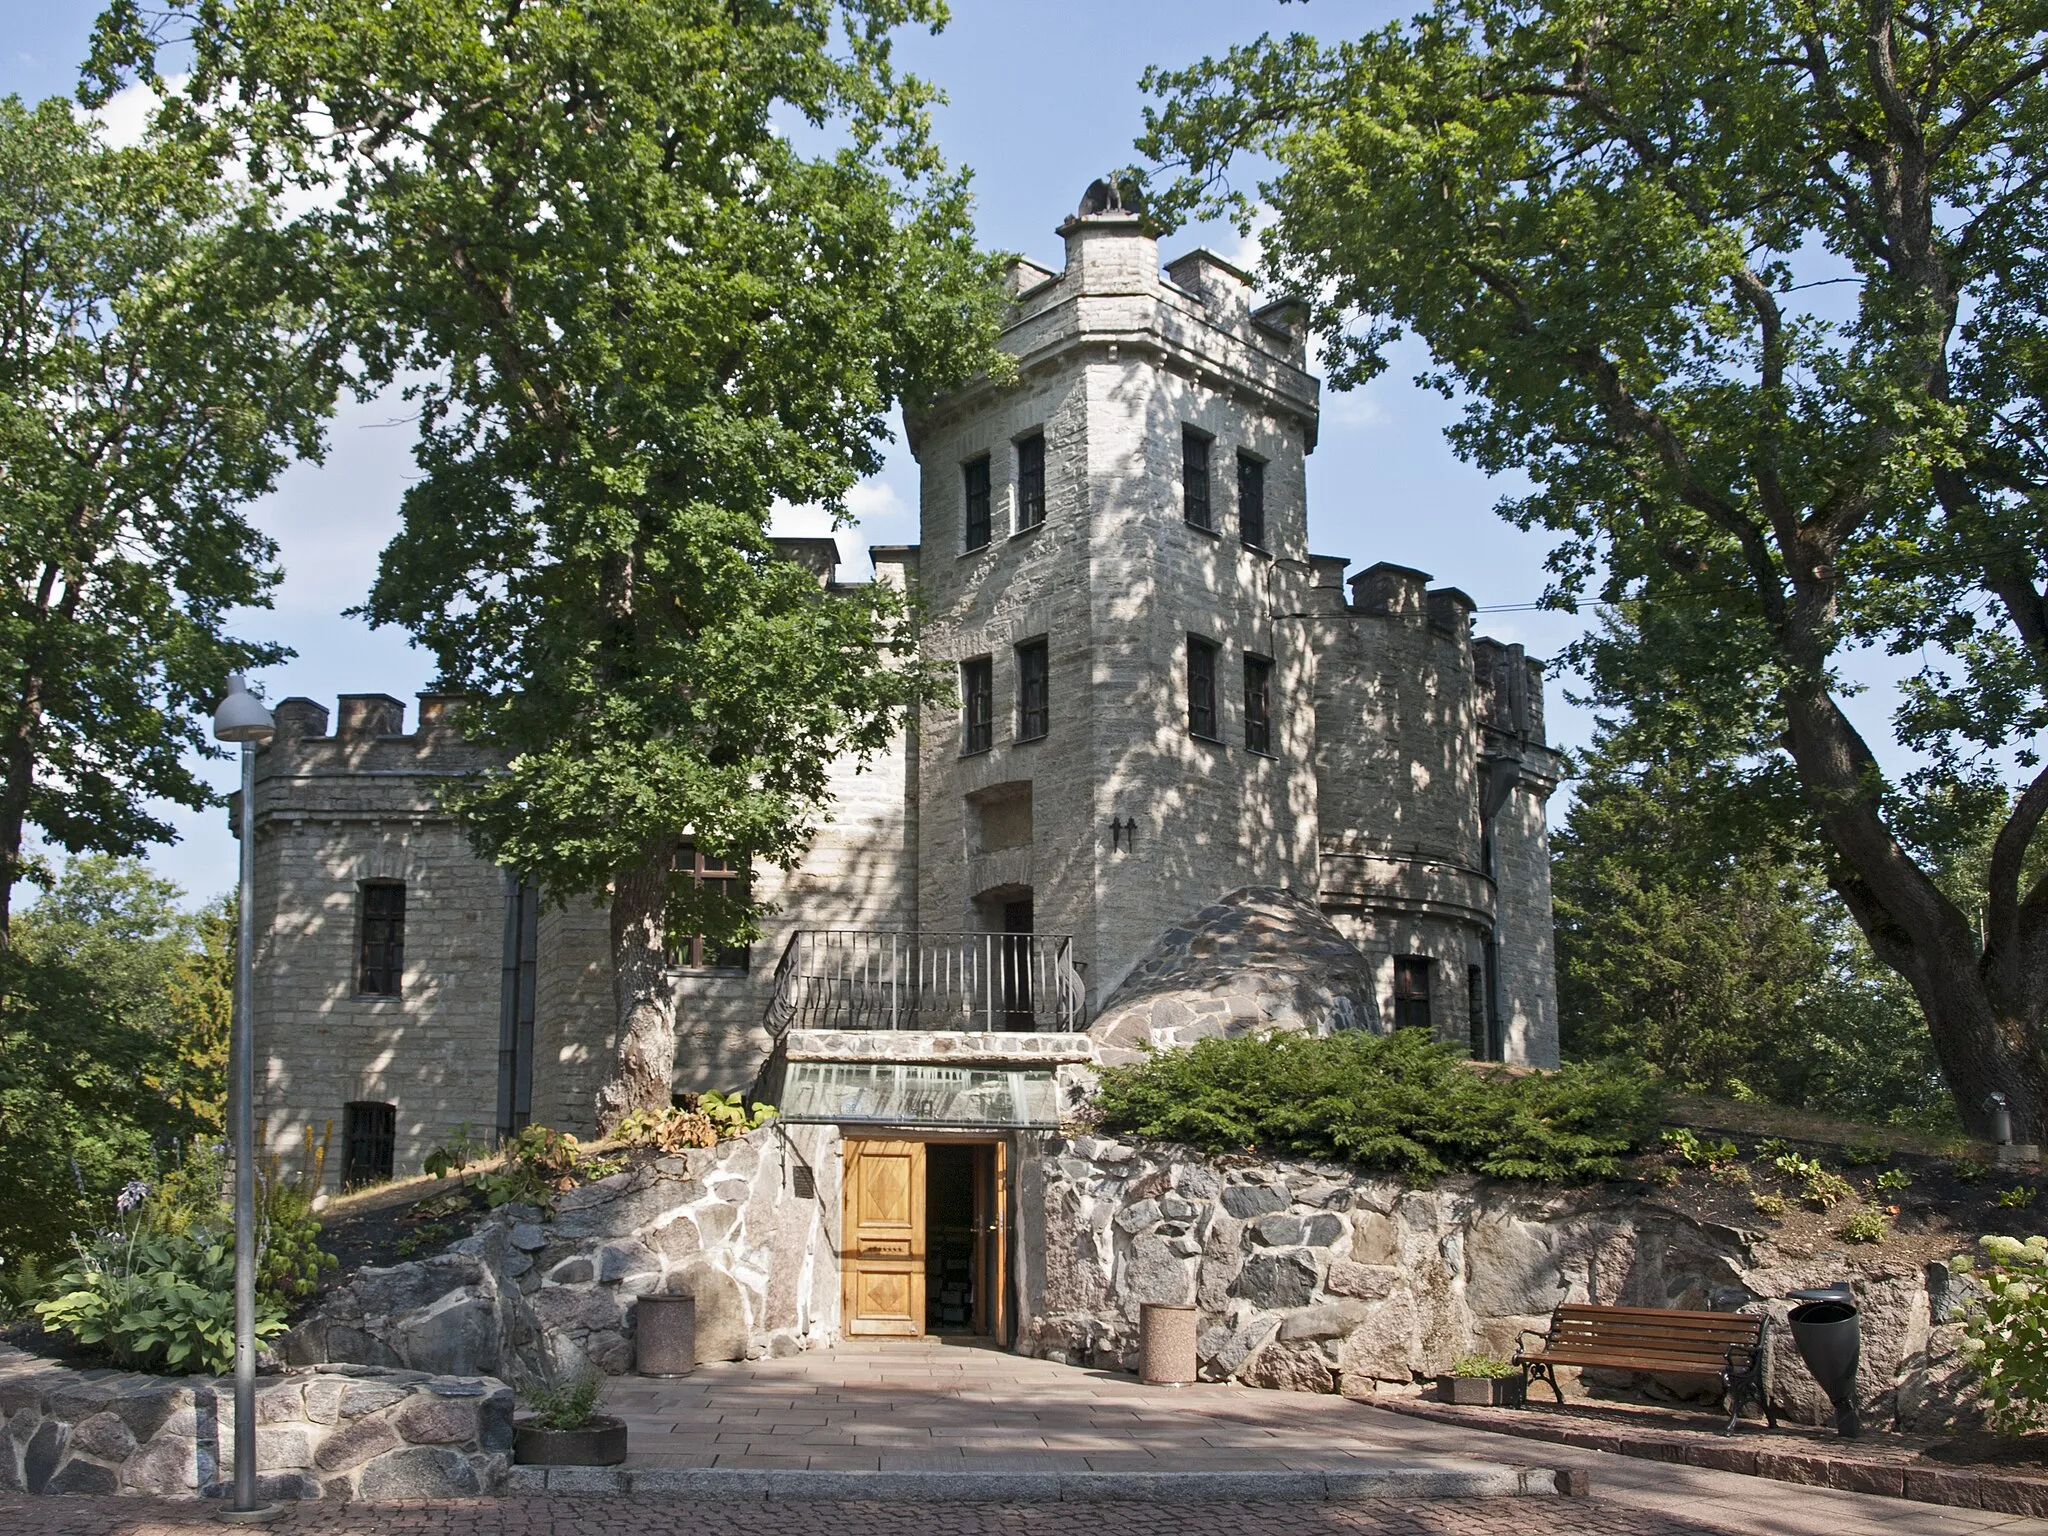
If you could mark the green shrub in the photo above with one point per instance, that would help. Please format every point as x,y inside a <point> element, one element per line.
<point>1894,1179</point>
<point>2006,1327</point>
<point>1483,1368</point>
<point>2018,1198</point>
<point>1770,1205</point>
<point>156,1301</point>
<point>569,1407</point>
<point>291,1259</point>
<point>1399,1102</point>
<point>540,1164</point>
<point>1864,1227</point>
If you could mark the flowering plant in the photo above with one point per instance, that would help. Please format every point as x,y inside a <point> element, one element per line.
<point>2006,1328</point>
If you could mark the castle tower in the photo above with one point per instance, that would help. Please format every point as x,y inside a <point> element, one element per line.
<point>1114,563</point>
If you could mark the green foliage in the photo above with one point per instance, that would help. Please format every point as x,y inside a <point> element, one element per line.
<point>675,1129</point>
<point>1894,1179</point>
<point>1860,1154</point>
<point>567,1407</point>
<point>2018,1198</point>
<point>2007,1329</point>
<point>108,1056</point>
<point>539,1164</point>
<point>731,1113</point>
<point>165,352</point>
<point>638,317</point>
<point>1395,1101</point>
<point>1680,1142</point>
<point>1771,1205</point>
<point>1820,1188</point>
<point>291,1260</point>
<point>1484,1368</point>
<point>1777,400</point>
<point>1967,1170</point>
<point>464,1148</point>
<point>429,1235</point>
<point>1864,1227</point>
<point>156,1301</point>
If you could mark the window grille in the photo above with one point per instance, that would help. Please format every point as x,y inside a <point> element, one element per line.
<point>1251,500</point>
<point>1411,991</point>
<point>978,703</point>
<point>726,882</point>
<point>380,967</point>
<point>1034,714</point>
<point>1031,481</point>
<point>369,1142</point>
<point>974,474</point>
<point>1202,688</point>
<point>1258,704</point>
<point>1194,474</point>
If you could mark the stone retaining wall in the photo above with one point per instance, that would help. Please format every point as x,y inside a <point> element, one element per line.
<point>1318,1278</point>
<point>333,1432</point>
<point>534,1297</point>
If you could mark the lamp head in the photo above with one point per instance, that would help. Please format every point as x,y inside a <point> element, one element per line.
<point>241,715</point>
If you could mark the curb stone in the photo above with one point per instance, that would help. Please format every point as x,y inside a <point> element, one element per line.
<point>1476,1481</point>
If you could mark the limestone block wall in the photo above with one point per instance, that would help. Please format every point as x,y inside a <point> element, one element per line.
<point>533,1296</point>
<point>1527,944</point>
<point>334,1432</point>
<point>333,811</point>
<point>1313,1277</point>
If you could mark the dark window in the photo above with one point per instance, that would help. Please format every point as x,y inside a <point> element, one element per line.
<point>978,703</point>
<point>1411,991</point>
<point>1251,500</point>
<point>382,963</point>
<point>1194,478</point>
<point>1034,717</point>
<point>1031,481</point>
<point>1258,704</point>
<point>1202,688</point>
<point>974,474</point>
<point>369,1141</point>
<point>724,883</point>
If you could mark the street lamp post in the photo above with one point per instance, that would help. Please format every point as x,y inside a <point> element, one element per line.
<point>241,718</point>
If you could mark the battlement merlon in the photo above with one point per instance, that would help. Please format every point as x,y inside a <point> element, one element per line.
<point>1197,320</point>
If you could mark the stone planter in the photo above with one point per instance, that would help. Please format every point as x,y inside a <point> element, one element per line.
<point>1481,1391</point>
<point>599,1443</point>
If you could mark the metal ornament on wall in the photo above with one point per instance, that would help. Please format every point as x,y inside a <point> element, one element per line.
<point>1123,834</point>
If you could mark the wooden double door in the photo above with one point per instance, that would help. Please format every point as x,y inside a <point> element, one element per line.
<point>920,1252</point>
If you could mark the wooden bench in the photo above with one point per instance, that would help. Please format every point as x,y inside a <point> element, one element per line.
<point>1728,1345</point>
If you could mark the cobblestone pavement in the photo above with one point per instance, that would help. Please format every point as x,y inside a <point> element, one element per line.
<point>20,1516</point>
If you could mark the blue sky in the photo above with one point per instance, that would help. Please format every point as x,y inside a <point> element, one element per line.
<point>1043,98</point>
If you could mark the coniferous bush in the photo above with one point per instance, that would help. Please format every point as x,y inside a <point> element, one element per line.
<point>1397,1102</point>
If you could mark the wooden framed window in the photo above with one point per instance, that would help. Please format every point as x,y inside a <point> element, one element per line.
<point>1034,713</point>
<point>380,960</point>
<point>369,1143</point>
<point>1258,704</point>
<point>722,878</point>
<point>977,705</point>
<point>1251,500</point>
<point>1030,481</point>
<point>1411,991</point>
<point>974,484</point>
<point>1202,688</point>
<point>1194,478</point>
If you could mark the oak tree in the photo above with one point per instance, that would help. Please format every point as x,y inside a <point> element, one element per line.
<point>1753,294</point>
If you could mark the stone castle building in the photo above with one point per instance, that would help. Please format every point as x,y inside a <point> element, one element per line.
<point>1196,782</point>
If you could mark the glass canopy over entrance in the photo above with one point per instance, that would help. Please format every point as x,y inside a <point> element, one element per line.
<point>911,1094</point>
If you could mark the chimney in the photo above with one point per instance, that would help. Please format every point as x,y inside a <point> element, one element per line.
<point>365,716</point>
<point>1390,591</point>
<point>298,718</point>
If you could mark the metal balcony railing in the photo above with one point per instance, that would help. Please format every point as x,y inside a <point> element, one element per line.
<point>839,979</point>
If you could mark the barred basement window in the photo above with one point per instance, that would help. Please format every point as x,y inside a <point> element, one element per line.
<point>977,704</point>
<point>1251,500</point>
<point>1202,688</point>
<point>1194,478</point>
<point>369,1142</point>
<point>1034,713</point>
<point>1031,481</point>
<point>1411,991</point>
<point>380,921</point>
<point>722,879</point>
<point>1258,704</point>
<point>974,477</point>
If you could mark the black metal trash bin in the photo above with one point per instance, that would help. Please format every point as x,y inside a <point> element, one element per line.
<point>1828,1331</point>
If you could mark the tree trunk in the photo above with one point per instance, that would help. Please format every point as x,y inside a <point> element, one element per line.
<point>1982,1050</point>
<point>643,1064</point>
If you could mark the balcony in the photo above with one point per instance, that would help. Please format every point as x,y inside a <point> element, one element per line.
<point>926,982</point>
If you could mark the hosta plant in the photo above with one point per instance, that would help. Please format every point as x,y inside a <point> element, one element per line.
<point>156,1301</point>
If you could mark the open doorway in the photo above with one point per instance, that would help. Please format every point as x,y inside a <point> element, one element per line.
<point>925,1239</point>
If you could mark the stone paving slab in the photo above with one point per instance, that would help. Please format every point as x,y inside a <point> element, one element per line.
<point>1410,1484</point>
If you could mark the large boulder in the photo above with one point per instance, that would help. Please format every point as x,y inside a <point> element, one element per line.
<point>1259,959</point>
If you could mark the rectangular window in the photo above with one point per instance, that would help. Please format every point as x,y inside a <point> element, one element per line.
<point>1194,478</point>
<point>978,704</point>
<point>1202,688</point>
<point>1251,500</point>
<point>1034,715</point>
<point>381,965</point>
<point>369,1143</point>
<point>1031,481</point>
<point>1258,704</point>
<point>974,477</point>
<point>1411,991</point>
<point>724,881</point>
